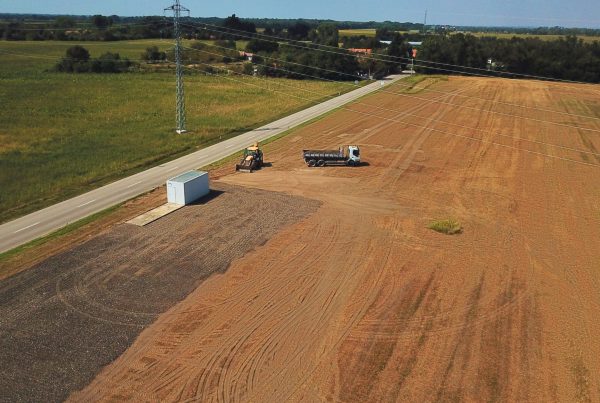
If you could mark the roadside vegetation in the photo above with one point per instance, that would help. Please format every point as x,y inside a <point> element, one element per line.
<point>448,227</point>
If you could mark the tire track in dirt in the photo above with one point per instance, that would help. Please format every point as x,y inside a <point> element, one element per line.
<point>360,301</point>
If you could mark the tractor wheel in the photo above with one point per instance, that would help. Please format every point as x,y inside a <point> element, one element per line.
<point>312,163</point>
<point>320,163</point>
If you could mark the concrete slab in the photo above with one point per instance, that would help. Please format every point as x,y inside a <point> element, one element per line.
<point>155,214</point>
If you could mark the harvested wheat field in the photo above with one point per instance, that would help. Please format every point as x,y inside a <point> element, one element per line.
<point>361,301</point>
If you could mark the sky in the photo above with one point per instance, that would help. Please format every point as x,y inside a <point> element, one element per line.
<point>576,13</point>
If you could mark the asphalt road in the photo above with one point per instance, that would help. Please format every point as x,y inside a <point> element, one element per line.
<point>22,230</point>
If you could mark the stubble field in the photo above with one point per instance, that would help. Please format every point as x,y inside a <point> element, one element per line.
<point>355,298</point>
<point>362,302</point>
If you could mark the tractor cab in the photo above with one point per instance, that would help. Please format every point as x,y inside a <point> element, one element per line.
<point>252,159</point>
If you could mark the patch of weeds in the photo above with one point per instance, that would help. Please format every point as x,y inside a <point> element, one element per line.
<point>448,227</point>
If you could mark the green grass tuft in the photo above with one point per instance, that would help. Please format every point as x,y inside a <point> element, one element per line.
<point>448,227</point>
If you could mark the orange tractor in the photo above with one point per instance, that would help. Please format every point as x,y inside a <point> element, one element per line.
<point>252,159</point>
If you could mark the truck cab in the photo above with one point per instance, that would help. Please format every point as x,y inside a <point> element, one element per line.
<point>353,155</point>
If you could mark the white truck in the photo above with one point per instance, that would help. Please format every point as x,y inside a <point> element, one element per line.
<point>343,156</point>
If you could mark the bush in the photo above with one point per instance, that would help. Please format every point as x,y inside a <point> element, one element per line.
<point>229,44</point>
<point>152,55</point>
<point>110,63</point>
<point>257,45</point>
<point>77,60</point>
<point>78,53</point>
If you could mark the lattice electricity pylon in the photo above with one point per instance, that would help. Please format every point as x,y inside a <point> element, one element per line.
<point>177,10</point>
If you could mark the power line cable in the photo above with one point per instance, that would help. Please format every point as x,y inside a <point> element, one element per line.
<point>390,92</point>
<point>384,91</point>
<point>471,107</point>
<point>313,47</point>
<point>406,113</point>
<point>280,39</point>
<point>422,88</point>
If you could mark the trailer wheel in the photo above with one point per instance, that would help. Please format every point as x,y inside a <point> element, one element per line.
<point>311,163</point>
<point>321,163</point>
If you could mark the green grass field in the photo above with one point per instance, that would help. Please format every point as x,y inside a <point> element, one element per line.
<point>63,134</point>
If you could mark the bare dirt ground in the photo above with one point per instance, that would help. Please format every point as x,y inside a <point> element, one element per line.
<point>361,302</point>
<point>67,317</point>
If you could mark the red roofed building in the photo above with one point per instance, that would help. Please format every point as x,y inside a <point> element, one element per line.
<point>363,51</point>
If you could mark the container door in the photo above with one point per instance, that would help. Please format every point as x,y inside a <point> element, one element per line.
<point>171,193</point>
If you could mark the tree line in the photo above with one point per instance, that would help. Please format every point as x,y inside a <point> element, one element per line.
<point>567,58</point>
<point>77,60</point>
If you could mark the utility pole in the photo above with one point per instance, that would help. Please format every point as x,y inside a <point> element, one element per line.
<point>177,10</point>
<point>425,23</point>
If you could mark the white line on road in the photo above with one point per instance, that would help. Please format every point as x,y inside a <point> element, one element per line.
<point>133,184</point>
<point>172,169</point>
<point>85,204</point>
<point>23,229</point>
<point>233,145</point>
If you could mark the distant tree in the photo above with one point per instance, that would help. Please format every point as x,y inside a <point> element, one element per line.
<point>75,61</point>
<point>236,24</point>
<point>248,69</point>
<point>201,54</point>
<point>13,32</point>
<point>78,53</point>
<point>384,34</point>
<point>153,54</point>
<point>257,45</point>
<point>362,42</point>
<point>229,44</point>
<point>101,22</point>
<point>400,49</point>
<point>327,34</point>
<point>110,63</point>
<point>65,22</point>
<point>299,31</point>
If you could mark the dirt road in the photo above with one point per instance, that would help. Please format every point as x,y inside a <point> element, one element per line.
<point>361,302</point>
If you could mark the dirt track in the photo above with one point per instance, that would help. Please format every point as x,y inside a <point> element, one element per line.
<point>63,320</point>
<point>361,302</point>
